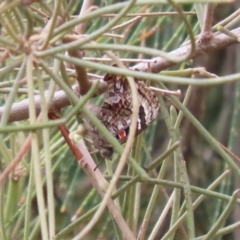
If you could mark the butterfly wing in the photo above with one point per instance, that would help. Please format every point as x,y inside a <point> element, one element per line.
<point>115,112</point>
<point>120,101</point>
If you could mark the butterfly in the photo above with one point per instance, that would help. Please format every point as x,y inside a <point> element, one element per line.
<point>116,111</point>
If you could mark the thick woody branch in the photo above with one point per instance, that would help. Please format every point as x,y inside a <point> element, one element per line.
<point>216,43</point>
<point>19,111</point>
<point>81,74</point>
<point>80,29</point>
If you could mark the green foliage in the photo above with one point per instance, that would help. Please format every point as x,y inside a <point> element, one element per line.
<point>45,193</point>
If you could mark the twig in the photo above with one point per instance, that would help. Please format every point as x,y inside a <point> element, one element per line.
<point>65,134</point>
<point>149,14</point>
<point>24,149</point>
<point>227,20</point>
<point>230,153</point>
<point>71,37</point>
<point>164,91</point>
<point>83,82</point>
<point>112,35</point>
<point>80,29</point>
<point>104,59</point>
<point>206,33</point>
<point>81,74</point>
<point>126,23</point>
<point>227,32</point>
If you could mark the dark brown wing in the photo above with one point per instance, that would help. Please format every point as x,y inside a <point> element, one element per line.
<point>115,112</point>
<point>120,101</point>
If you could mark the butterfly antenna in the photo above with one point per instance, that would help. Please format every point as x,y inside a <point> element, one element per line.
<point>97,165</point>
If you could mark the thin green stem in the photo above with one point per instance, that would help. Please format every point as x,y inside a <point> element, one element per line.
<point>162,217</point>
<point>6,6</point>
<point>47,153</point>
<point>153,77</point>
<point>71,95</point>
<point>222,219</point>
<point>18,17</point>
<point>3,234</point>
<point>197,202</point>
<point>205,133</point>
<point>185,102</point>
<point>227,184</point>
<point>9,24</point>
<point>177,178</point>
<point>12,94</point>
<point>138,186</point>
<point>182,169</point>
<point>70,190</point>
<point>28,203</point>
<point>56,13</point>
<point>121,190</point>
<point>104,47</point>
<point>189,30</point>
<point>10,67</point>
<point>97,33</point>
<point>29,24</point>
<point>35,151</point>
<point>12,195</point>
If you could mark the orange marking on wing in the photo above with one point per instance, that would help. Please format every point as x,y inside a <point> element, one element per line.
<point>121,134</point>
